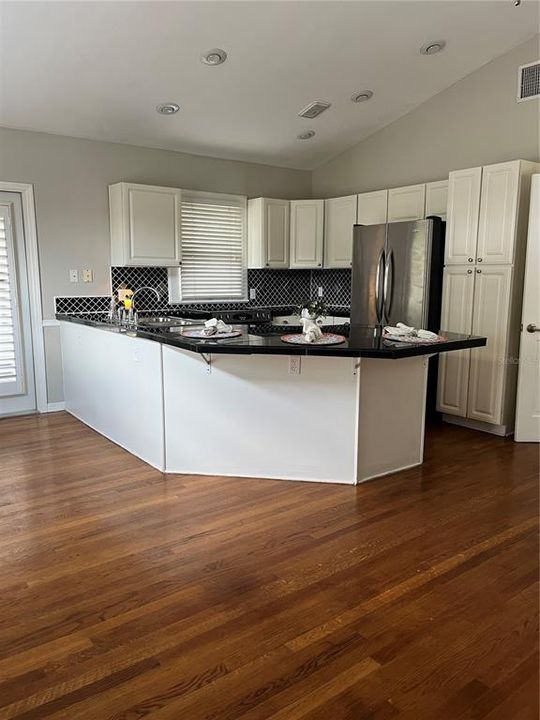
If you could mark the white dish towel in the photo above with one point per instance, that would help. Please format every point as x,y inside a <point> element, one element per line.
<point>312,332</point>
<point>215,326</point>
<point>402,330</point>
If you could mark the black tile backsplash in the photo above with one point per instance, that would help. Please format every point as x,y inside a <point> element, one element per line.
<point>278,288</point>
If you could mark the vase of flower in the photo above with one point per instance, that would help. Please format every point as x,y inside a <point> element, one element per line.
<point>314,310</point>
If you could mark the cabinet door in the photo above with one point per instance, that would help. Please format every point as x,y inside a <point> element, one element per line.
<point>406,203</point>
<point>457,309</point>
<point>489,364</point>
<point>498,213</point>
<point>153,225</point>
<point>276,233</point>
<point>372,208</point>
<point>307,232</point>
<point>462,217</point>
<point>339,219</point>
<point>437,198</point>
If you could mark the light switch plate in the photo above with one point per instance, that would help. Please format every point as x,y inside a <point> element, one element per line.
<point>252,293</point>
<point>320,291</point>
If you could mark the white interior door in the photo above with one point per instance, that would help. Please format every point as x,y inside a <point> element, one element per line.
<point>17,385</point>
<point>528,392</point>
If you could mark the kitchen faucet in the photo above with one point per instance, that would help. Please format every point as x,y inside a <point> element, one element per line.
<point>132,314</point>
<point>144,287</point>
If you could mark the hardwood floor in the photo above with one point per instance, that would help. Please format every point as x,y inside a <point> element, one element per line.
<point>125,594</point>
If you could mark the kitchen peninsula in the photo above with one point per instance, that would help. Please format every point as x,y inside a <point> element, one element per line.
<point>252,406</point>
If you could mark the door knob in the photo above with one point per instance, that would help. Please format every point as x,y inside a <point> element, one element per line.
<point>531,327</point>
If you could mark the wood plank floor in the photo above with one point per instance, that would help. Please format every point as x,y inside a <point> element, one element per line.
<point>125,594</point>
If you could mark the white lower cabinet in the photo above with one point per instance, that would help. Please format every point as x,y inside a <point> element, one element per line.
<point>457,304</point>
<point>339,219</point>
<point>489,365</point>
<point>307,233</point>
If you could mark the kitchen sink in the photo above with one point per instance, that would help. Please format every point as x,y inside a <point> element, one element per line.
<point>166,321</point>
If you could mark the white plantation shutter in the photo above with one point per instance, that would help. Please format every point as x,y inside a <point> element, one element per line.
<point>213,247</point>
<point>11,365</point>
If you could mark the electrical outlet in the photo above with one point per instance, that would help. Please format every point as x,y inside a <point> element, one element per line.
<point>73,276</point>
<point>295,364</point>
<point>320,291</point>
<point>252,293</point>
<point>87,275</point>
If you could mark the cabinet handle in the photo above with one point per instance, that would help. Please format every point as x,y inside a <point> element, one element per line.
<point>470,259</point>
<point>479,259</point>
<point>469,272</point>
<point>478,271</point>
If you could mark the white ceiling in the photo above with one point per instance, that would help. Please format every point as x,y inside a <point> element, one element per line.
<point>98,69</point>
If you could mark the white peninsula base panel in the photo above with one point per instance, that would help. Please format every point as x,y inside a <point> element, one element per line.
<point>341,420</point>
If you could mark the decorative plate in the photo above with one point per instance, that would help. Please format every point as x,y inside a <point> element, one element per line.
<point>199,334</point>
<point>413,339</point>
<point>327,339</point>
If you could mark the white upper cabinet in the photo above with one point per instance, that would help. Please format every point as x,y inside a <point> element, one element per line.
<point>437,198</point>
<point>498,213</point>
<point>145,225</point>
<point>339,219</point>
<point>463,211</point>
<point>307,233</point>
<point>372,208</point>
<point>491,318</point>
<point>457,312</point>
<point>406,203</point>
<point>268,233</point>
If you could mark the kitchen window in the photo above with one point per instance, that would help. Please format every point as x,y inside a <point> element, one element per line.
<point>213,249</point>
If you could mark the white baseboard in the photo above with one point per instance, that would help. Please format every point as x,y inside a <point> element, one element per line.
<point>499,430</point>
<point>56,407</point>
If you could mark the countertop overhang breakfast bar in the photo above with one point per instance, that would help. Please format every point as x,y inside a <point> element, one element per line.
<point>210,407</point>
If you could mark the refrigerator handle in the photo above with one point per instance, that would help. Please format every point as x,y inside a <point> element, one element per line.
<point>388,285</point>
<point>379,297</point>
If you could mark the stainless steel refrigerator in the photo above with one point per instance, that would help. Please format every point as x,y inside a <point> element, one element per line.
<point>397,273</point>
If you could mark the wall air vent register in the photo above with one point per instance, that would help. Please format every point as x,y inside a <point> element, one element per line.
<point>529,81</point>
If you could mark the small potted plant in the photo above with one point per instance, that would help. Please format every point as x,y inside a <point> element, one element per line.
<point>314,310</point>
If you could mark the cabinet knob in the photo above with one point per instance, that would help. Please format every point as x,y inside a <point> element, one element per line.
<point>267,264</point>
<point>478,271</point>
<point>469,272</point>
<point>479,259</point>
<point>470,259</point>
<point>319,264</point>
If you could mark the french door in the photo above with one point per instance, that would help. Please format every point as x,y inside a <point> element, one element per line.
<point>17,382</point>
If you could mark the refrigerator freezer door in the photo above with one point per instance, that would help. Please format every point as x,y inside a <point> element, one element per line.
<point>406,282</point>
<point>368,274</point>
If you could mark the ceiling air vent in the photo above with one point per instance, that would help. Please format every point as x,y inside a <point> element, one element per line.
<point>529,81</point>
<point>314,109</point>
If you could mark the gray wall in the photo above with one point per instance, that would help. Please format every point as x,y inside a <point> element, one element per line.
<point>70,178</point>
<point>475,122</point>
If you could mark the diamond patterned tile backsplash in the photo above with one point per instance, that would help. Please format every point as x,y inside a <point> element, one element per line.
<point>273,288</point>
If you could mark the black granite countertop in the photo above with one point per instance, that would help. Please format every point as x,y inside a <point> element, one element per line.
<point>362,341</point>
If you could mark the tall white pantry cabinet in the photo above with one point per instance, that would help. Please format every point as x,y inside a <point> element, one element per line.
<point>486,239</point>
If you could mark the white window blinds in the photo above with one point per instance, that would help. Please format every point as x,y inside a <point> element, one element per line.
<point>213,247</point>
<point>11,370</point>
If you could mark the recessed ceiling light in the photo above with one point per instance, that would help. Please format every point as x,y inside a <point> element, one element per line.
<point>433,47</point>
<point>168,108</point>
<point>214,57</point>
<point>306,135</point>
<point>362,96</point>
